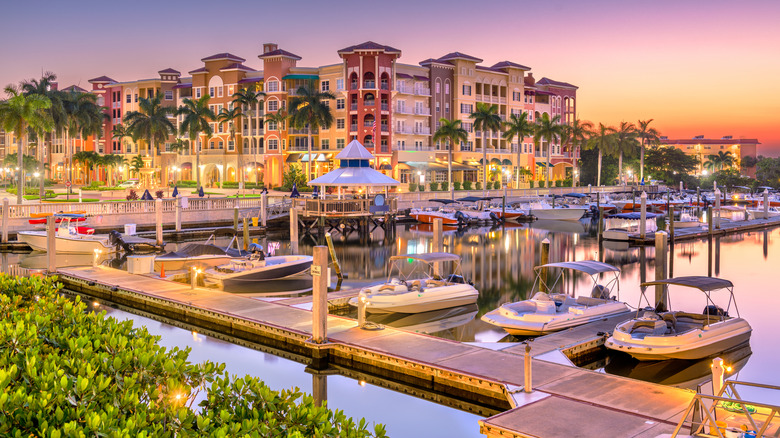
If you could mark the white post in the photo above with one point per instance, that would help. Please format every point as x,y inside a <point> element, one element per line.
<point>643,215</point>
<point>766,210</point>
<point>528,384</point>
<point>6,215</point>
<point>51,244</point>
<point>293,230</point>
<point>681,186</point>
<point>661,249</point>
<point>361,315</point>
<point>319,309</point>
<point>264,209</point>
<point>717,208</point>
<point>178,213</point>
<point>193,277</point>
<point>79,195</point>
<point>718,372</point>
<point>158,215</point>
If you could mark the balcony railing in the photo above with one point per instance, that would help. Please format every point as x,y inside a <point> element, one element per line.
<point>353,127</point>
<point>405,90</point>
<point>404,130</point>
<point>422,111</point>
<point>299,147</point>
<point>385,129</point>
<point>403,110</point>
<point>369,102</point>
<point>353,107</point>
<point>409,147</point>
<point>353,86</point>
<point>422,91</point>
<point>385,107</point>
<point>369,84</point>
<point>385,86</point>
<point>422,131</point>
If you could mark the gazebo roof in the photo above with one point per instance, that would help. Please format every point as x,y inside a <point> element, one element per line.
<point>354,151</point>
<point>354,177</point>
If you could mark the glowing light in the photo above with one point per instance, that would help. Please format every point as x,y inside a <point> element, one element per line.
<point>362,383</point>
<point>36,174</point>
<point>95,304</point>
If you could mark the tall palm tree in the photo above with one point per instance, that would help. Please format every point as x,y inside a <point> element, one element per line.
<point>576,134</point>
<point>197,116</point>
<point>626,144</point>
<point>231,116</point>
<point>89,160</point>
<point>43,87</point>
<point>17,114</point>
<point>602,139</point>
<point>719,161</point>
<point>486,119</point>
<point>84,118</point>
<point>247,99</point>
<point>518,127</point>
<point>309,109</point>
<point>151,122</point>
<point>548,129</point>
<point>451,132</point>
<point>647,136</point>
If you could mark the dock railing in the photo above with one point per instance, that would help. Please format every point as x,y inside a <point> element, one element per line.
<point>338,207</point>
<point>704,408</point>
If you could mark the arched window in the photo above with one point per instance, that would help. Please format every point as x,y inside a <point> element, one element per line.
<point>368,121</point>
<point>385,81</point>
<point>368,99</point>
<point>368,80</point>
<point>353,81</point>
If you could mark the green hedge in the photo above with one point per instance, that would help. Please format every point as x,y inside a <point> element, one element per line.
<point>31,191</point>
<point>496,185</point>
<point>456,185</point>
<point>68,372</point>
<point>248,186</point>
<point>466,185</point>
<point>412,187</point>
<point>478,186</point>
<point>434,186</point>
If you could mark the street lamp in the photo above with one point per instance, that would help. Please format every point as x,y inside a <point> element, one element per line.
<point>629,175</point>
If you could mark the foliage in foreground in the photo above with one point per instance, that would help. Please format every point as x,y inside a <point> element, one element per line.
<point>67,372</point>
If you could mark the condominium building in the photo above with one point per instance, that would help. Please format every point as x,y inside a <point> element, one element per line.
<point>702,148</point>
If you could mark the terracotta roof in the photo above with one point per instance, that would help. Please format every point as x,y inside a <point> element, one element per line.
<point>458,55</point>
<point>228,56</point>
<point>237,66</point>
<point>199,70</point>
<point>369,45</point>
<point>75,88</point>
<point>101,79</point>
<point>250,80</point>
<point>550,82</point>
<point>711,141</point>
<point>279,52</point>
<point>434,61</point>
<point>169,71</point>
<point>187,85</point>
<point>509,64</point>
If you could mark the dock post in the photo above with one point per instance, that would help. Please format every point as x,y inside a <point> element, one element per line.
<point>660,269</point>
<point>503,204</point>
<point>671,224</point>
<point>193,277</point>
<point>709,220</point>
<point>264,209</point>
<point>766,212</point>
<point>178,213</point>
<point>545,259</point>
<point>332,250</point>
<point>235,219</point>
<point>6,215</point>
<point>293,230</point>
<point>527,383</point>
<point>643,216</point>
<point>246,234</point>
<point>718,370</point>
<point>717,207</point>
<point>79,195</point>
<point>698,201</point>
<point>709,256</point>
<point>717,256</point>
<point>51,244</point>
<point>438,225</point>
<point>319,311</point>
<point>361,309</point>
<point>158,215</point>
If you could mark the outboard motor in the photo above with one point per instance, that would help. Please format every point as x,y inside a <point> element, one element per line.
<point>257,251</point>
<point>462,218</point>
<point>114,238</point>
<point>594,211</point>
<point>495,217</point>
<point>714,310</point>
<point>600,291</point>
<point>454,278</point>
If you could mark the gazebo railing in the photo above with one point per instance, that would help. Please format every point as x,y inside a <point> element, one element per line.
<point>337,207</point>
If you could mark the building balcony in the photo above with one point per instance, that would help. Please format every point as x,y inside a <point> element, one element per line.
<point>353,86</point>
<point>422,131</point>
<point>353,127</point>
<point>304,131</point>
<point>403,110</point>
<point>385,107</point>
<point>369,102</point>
<point>422,91</point>
<point>299,148</point>
<point>422,111</point>
<point>404,130</point>
<point>384,86</point>
<point>408,147</point>
<point>385,129</point>
<point>405,90</point>
<point>353,107</point>
<point>215,151</point>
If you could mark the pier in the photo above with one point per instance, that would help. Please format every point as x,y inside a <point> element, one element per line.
<point>486,381</point>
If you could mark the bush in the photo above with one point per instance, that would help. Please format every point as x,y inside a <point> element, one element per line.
<point>421,187</point>
<point>434,186</point>
<point>478,186</point>
<point>132,196</point>
<point>159,194</point>
<point>457,185</point>
<point>104,377</point>
<point>496,185</point>
<point>558,183</point>
<point>466,185</point>
<point>445,186</point>
<point>32,191</point>
<point>187,184</point>
<point>541,184</point>
<point>531,184</point>
<point>412,187</point>
<point>293,176</point>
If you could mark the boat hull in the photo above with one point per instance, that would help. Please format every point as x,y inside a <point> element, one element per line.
<point>431,299</point>
<point>560,214</point>
<point>265,273</point>
<point>428,217</point>
<point>79,244</point>
<point>535,323</point>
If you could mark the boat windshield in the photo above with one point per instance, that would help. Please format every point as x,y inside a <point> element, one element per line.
<point>707,285</point>
<point>436,265</point>
<point>594,269</point>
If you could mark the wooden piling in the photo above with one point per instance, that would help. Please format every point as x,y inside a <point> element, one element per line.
<point>332,250</point>
<point>643,216</point>
<point>545,259</point>
<point>660,269</point>
<point>293,230</point>
<point>158,215</point>
<point>698,201</point>
<point>264,209</point>
<point>709,220</point>
<point>246,233</point>
<point>51,244</point>
<point>717,207</point>
<point>766,206</point>
<point>438,226</point>
<point>235,219</point>
<point>671,223</point>
<point>319,272</point>
<point>6,216</point>
<point>178,213</point>
<point>709,255</point>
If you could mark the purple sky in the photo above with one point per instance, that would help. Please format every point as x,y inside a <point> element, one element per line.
<point>697,67</point>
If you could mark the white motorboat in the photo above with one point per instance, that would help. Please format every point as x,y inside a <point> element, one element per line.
<point>257,268</point>
<point>561,212</point>
<point>687,219</point>
<point>435,321</point>
<point>622,225</point>
<point>68,239</point>
<point>548,312</point>
<point>652,335</point>
<point>448,215</point>
<point>419,285</point>
<point>202,255</point>
<point>759,213</point>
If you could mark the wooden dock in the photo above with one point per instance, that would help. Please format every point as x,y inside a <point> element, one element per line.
<point>726,227</point>
<point>566,401</point>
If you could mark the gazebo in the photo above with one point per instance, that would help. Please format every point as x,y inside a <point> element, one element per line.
<point>354,171</point>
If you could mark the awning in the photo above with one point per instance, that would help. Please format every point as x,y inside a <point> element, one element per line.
<point>704,284</point>
<point>385,166</point>
<point>541,164</point>
<point>403,76</point>
<point>506,162</point>
<point>495,161</point>
<point>461,166</point>
<point>403,166</point>
<point>315,157</point>
<point>590,267</point>
<point>301,76</point>
<point>293,157</point>
<point>421,78</point>
<point>186,165</point>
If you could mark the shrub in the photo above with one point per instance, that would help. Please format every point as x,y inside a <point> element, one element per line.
<point>496,185</point>
<point>434,186</point>
<point>466,185</point>
<point>445,186</point>
<point>412,187</point>
<point>229,185</point>
<point>421,187</point>
<point>32,191</point>
<point>531,184</point>
<point>558,183</point>
<point>293,175</point>
<point>132,196</point>
<point>187,184</point>
<point>541,184</point>
<point>104,377</point>
<point>159,194</point>
<point>478,186</point>
<point>457,185</point>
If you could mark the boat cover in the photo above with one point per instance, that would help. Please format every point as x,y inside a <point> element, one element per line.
<point>444,201</point>
<point>632,216</point>
<point>201,249</point>
<point>703,283</point>
<point>590,267</point>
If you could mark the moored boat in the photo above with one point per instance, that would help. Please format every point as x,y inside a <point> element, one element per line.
<point>68,239</point>
<point>257,268</point>
<point>202,255</point>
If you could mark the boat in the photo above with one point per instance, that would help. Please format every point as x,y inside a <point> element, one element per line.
<point>202,255</point>
<point>257,268</point>
<point>548,312</point>
<point>621,226</point>
<point>652,335</point>
<point>40,260</point>
<point>419,286</point>
<point>688,219</point>
<point>68,239</point>
<point>435,321</point>
<point>759,213</point>
<point>562,212</point>
<point>448,216</point>
<point>477,211</point>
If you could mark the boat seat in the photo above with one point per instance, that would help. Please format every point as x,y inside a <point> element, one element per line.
<point>588,301</point>
<point>415,285</point>
<point>434,283</point>
<point>648,327</point>
<point>385,287</point>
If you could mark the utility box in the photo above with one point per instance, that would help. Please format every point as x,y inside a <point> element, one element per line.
<point>129,229</point>
<point>140,264</point>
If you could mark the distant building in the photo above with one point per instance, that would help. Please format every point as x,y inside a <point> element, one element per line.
<point>702,148</point>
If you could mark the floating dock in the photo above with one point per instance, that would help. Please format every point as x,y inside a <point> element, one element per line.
<point>726,227</point>
<point>566,400</point>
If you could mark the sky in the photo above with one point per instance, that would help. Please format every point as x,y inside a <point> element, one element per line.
<point>697,67</point>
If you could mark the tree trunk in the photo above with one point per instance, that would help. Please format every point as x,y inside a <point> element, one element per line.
<point>20,162</point>
<point>598,175</point>
<point>449,171</point>
<point>240,162</point>
<point>620,168</point>
<point>41,156</point>
<point>547,169</point>
<point>484,161</point>
<point>308,164</point>
<point>517,166</point>
<point>642,162</point>
<point>195,145</point>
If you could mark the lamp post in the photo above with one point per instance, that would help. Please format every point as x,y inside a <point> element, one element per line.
<point>576,179</point>
<point>630,177</point>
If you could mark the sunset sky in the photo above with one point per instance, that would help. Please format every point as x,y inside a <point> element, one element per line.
<point>707,68</point>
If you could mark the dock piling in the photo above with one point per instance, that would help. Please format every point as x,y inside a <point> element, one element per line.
<point>545,259</point>
<point>264,209</point>
<point>643,215</point>
<point>332,250</point>
<point>235,219</point>
<point>6,215</point>
<point>766,209</point>
<point>698,201</point>
<point>718,371</point>
<point>671,223</point>
<point>660,269</point>
<point>293,230</point>
<point>320,295</point>
<point>709,220</point>
<point>51,244</point>
<point>79,195</point>
<point>527,385</point>
<point>178,213</point>
<point>438,226</point>
<point>246,233</point>
<point>717,207</point>
<point>158,215</point>
<point>361,309</point>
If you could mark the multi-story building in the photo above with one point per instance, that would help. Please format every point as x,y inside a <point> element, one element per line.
<point>702,148</point>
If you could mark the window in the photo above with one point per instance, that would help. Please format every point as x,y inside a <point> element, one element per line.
<point>466,108</point>
<point>340,143</point>
<point>129,98</point>
<point>136,97</point>
<point>326,103</point>
<point>339,123</point>
<point>273,144</point>
<point>231,146</point>
<point>438,87</point>
<point>446,107</point>
<point>169,95</point>
<point>446,88</point>
<point>273,105</point>
<point>270,125</point>
<point>463,70</point>
<point>211,91</point>
<point>438,107</point>
<point>197,93</point>
<point>325,85</point>
<point>516,96</point>
<point>339,84</point>
<point>339,104</point>
<point>273,86</point>
<point>325,143</point>
<point>219,91</point>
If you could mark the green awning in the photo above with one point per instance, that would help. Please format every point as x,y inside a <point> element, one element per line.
<point>301,76</point>
<point>541,164</point>
<point>495,161</point>
<point>506,162</point>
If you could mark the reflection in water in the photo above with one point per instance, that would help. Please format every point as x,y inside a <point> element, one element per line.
<point>443,323</point>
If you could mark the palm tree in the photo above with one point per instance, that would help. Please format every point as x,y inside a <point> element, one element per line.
<point>451,132</point>
<point>309,109</point>
<point>246,99</point>
<point>647,136</point>
<point>548,129</point>
<point>602,139</point>
<point>626,143</point>
<point>90,160</point>
<point>17,114</point>
<point>43,87</point>
<point>136,164</point>
<point>279,118</point>
<point>576,134</point>
<point>84,117</point>
<point>197,116</point>
<point>120,131</point>
<point>230,116</point>
<point>518,127</point>
<point>486,119</point>
<point>719,160</point>
<point>151,122</point>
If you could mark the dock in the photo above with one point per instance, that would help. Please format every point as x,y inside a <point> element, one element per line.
<point>726,227</point>
<point>485,381</point>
